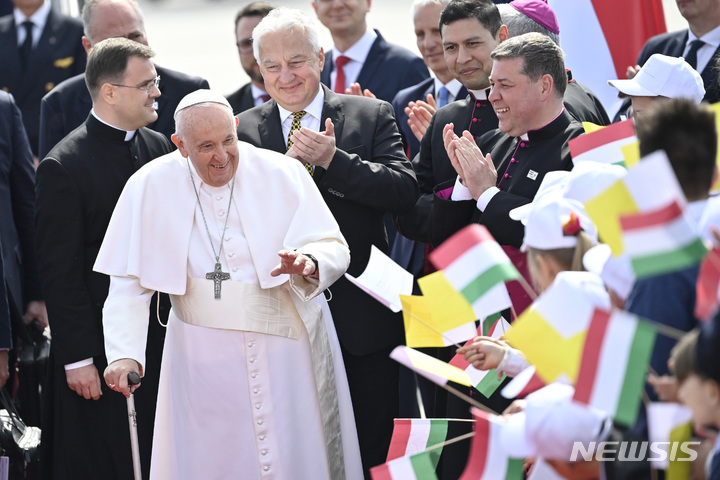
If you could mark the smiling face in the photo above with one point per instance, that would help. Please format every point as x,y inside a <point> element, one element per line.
<point>468,44</point>
<point>207,135</point>
<point>134,107</point>
<point>429,41</point>
<point>343,17</point>
<point>515,98</point>
<point>290,68</point>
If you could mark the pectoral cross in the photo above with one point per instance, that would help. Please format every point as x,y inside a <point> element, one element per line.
<point>217,277</point>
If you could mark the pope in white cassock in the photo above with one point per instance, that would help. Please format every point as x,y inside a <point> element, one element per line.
<point>252,384</point>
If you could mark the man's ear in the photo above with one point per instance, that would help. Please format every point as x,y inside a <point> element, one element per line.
<point>86,44</point>
<point>180,144</point>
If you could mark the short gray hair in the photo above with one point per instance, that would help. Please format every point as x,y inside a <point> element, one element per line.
<point>418,4</point>
<point>518,23</point>
<point>541,56</point>
<point>284,19</point>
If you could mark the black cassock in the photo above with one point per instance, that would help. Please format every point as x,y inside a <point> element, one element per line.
<point>77,187</point>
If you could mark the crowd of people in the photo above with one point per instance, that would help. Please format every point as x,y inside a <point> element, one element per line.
<point>153,225</point>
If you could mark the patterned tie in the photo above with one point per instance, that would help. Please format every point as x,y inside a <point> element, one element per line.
<point>691,57</point>
<point>442,97</point>
<point>341,61</point>
<point>26,47</point>
<point>296,126</point>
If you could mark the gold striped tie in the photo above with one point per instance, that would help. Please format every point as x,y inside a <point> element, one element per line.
<point>296,126</point>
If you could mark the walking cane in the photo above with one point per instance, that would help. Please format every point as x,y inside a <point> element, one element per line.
<point>133,379</point>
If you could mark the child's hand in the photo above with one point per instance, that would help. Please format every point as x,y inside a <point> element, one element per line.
<point>484,353</point>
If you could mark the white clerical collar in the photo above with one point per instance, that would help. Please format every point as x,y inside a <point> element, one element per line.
<point>359,51</point>
<point>314,109</point>
<point>39,19</point>
<point>129,134</point>
<point>453,86</point>
<point>480,94</point>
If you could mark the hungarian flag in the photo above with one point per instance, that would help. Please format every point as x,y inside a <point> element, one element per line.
<point>485,381</point>
<point>708,286</point>
<point>551,333</point>
<point>415,435</point>
<point>413,467</point>
<point>601,38</point>
<point>476,265</point>
<point>603,145</point>
<point>429,367</point>
<point>614,364</point>
<point>487,460</point>
<point>648,186</point>
<point>661,240</point>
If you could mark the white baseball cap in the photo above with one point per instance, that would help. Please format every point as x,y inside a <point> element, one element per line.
<point>554,222</point>
<point>664,76</point>
<point>551,423</point>
<point>616,272</point>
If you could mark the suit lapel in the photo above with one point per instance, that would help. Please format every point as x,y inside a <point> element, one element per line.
<point>270,128</point>
<point>373,61</point>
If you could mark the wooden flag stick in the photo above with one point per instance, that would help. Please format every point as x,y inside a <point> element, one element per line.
<point>526,286</point>
<point>468,399</point>
<point>452,440</point>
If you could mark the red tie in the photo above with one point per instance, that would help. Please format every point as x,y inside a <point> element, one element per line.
<point>341,61</point>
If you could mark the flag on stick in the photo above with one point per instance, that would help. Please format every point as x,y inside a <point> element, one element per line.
<point>414,435</point>
<point>476,266</point>
<point>603,145</point>
<point>614,364</point>
<point>485,381</point>
<point>487,460</point>
<point>413,467</point>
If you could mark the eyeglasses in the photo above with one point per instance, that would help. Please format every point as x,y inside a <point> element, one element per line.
<point>146,86</point>
<point>245,45</point>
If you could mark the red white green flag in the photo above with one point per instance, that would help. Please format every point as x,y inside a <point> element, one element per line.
<point>488,460</point>
<point>485,381</point>
<point>603,145</point>
<point>476,265</point>
<point>661,240</point>
<point>415,435</point>
<point>614,364</point>
<point>413,467</point>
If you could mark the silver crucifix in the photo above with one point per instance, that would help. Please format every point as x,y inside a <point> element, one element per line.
<point>217,277</point>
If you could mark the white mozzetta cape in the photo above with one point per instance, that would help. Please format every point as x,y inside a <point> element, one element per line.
<point>279,205</point>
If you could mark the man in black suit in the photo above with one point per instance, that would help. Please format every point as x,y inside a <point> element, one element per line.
<point>66,107</point>
<point>353,149</point>
<point>20,296</point>
<point>252,93</point>
<point>365,56</point>
<point>34,64</point>
<point>699,45</point>
<point>85,433</point>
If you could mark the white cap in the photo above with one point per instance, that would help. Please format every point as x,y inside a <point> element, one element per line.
<point>550,224</point>
<point>201,96</point>
<point>551,423</point>
<point>664,76</point>
<point>552,182</point>
<point>616,272</point>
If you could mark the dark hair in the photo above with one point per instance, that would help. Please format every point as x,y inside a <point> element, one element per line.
<point>254,9</point>
<point>686,132</point>
<point>107,61</point>
<point>540,57</point>
<point>484,11</point>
